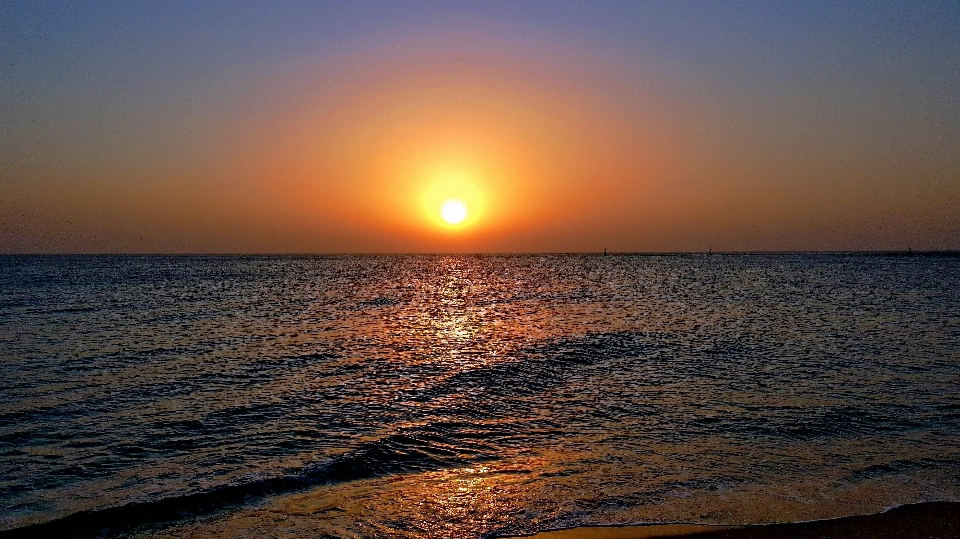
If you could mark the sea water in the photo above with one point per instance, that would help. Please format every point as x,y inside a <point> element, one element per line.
<point>469,396</point>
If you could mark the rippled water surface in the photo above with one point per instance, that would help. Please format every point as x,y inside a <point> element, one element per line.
<point>457,396</point>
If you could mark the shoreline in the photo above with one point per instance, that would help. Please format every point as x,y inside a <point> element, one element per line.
<point>925,520</point>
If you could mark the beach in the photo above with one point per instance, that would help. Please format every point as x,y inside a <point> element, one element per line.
<point>932,520</point>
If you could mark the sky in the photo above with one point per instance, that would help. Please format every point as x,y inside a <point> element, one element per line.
<point>344,127</point>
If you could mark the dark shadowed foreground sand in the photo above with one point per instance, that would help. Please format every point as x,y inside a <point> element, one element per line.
<point>933,520</point>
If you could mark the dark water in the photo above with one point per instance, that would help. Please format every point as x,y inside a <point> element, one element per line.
<point>456,396</point>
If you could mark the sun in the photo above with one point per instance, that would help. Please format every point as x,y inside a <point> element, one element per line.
<point>452,201</point>
<point>453,211</point>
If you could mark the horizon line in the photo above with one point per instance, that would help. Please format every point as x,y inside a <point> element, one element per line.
<point>889,252</point>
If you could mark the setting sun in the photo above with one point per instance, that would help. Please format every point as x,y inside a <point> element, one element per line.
<point>453,212</point>
<point>454,200</point>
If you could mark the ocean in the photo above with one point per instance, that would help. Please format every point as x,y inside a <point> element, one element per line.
<point>471,396</point>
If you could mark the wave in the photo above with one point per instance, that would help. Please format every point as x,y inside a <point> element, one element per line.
<point>429,446</point>
<point>536,369</point>
<point>410,451</point>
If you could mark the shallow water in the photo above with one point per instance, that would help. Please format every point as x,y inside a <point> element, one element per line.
<point>455,396</point>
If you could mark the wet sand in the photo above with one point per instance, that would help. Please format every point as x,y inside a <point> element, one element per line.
<point>933,520</point>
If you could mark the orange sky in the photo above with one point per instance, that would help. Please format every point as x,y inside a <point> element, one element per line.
<point>553,145</point>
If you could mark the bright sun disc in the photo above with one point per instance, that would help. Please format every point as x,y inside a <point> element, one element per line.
<point>453,211</point>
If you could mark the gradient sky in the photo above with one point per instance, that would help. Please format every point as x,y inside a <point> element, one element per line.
<point>266,127</point>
